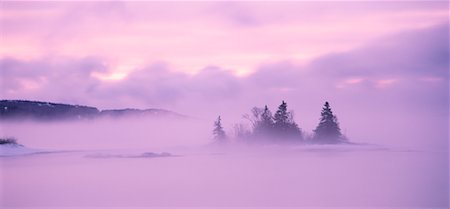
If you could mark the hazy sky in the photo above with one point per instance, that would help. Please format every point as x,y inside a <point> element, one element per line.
<point>377,63</point>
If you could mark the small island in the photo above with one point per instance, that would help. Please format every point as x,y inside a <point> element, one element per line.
<point>281,128</point>
<point>9,141</point>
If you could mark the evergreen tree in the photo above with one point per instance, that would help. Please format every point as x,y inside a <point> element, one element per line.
<point>218,132</point>
<point>284,124</point>
<point>328,130</point>
<point>264,126</point>
<point>281,117</point>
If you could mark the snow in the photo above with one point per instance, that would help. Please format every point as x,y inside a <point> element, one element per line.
<point>13,150</point>
<point>126,164</point>
<point>312,176</point>
<point>142,155</point>
<point>10,150</point>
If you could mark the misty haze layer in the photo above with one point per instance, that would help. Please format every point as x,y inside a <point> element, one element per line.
<point>383,66</point>
<point>121,163</point>
<point>270,177</point>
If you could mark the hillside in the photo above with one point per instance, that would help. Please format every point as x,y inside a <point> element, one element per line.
<point>45,111</point>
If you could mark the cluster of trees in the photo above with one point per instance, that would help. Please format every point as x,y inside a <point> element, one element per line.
<point>44,111</point>
<point>8,140</point>
<point>281,127</point>
<point>48,111</point>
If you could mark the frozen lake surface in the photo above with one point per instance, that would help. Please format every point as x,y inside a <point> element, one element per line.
<point>346,176</point>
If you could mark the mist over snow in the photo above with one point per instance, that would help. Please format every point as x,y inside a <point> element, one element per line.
<point>110,133</point>
<point>383,67</point>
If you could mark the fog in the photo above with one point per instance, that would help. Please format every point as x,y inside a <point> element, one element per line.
<point>382,66</point>
<point>100,163</point>
<point>127,133</point>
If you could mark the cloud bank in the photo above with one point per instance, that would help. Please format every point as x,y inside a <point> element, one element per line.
<point>395,76</point>
<point>391,77</point>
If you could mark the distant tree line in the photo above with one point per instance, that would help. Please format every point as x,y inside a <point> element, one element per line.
<point>9,140</point>
<point>48,111</point>
<point>281,127</point>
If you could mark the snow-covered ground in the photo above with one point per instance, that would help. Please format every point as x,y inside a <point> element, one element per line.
<point>312,176</point>
<point>15,150</point>
<point>125,164</point>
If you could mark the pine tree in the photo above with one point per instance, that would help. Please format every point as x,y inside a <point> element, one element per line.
<point>218,132</point>
<point>284,124</point>
<point>281,116</point>
<point>328,130</point>
<point>264,125</point>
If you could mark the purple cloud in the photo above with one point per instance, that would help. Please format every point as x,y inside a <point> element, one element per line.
<point>395,76</point>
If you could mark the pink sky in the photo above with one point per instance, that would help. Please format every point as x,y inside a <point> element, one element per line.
<point>237,36</point>
<point>209,58</point>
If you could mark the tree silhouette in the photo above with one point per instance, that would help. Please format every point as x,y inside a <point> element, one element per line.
<point>328,130</point>
<point>264,124</point>
<point>218,132</point>
<point>281,116</point>
<point>284,124</point>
